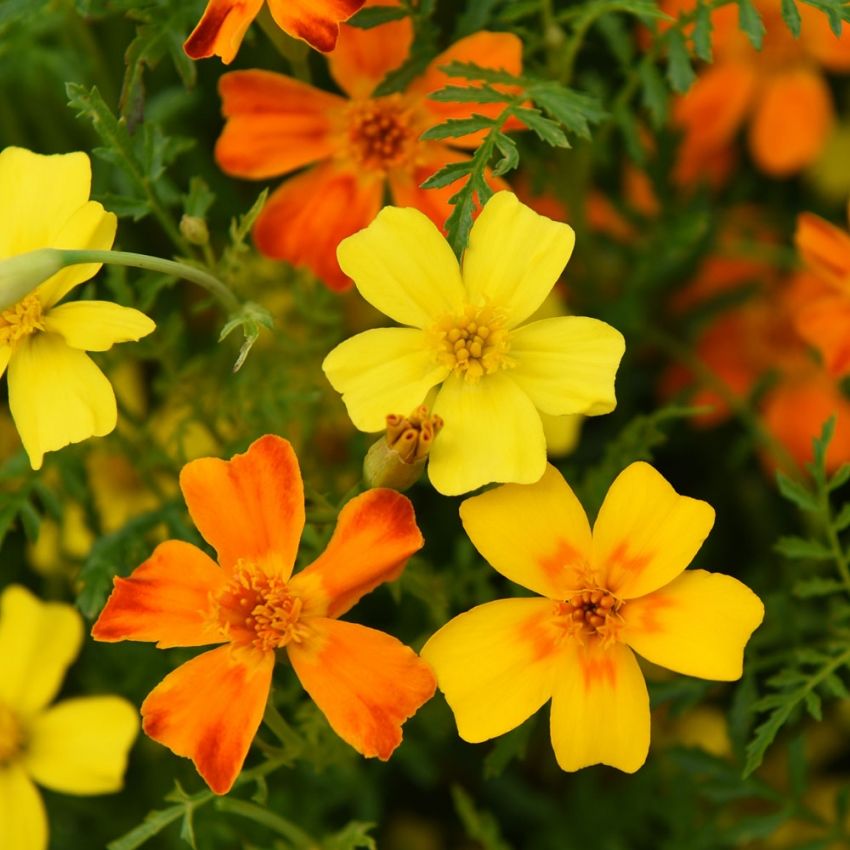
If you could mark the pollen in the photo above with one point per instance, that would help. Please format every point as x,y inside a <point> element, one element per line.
<point>380,133</point>
<point>11,736</point>
<point>592,614</point>
<point>475,343</point>
<point>21,320</point>
<point>256,610</point>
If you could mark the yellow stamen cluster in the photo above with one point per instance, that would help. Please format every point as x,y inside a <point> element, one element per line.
<point>11,736</point>
<point>380,134</point>
<point>474,344</point>
<point>21,320</point>
<point>256,609</point>
<point>412,436</point>
<point>592,613</point>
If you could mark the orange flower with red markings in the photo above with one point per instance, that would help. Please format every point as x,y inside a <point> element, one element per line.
<point>251,511</point>
<point>357,146</point>
<point>779,90</point>
<point>604,595</point>
<point>225,22</point>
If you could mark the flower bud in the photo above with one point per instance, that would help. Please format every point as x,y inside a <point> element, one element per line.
<point>194,229</point>
<point>21,274</point>
<point>398,458</point>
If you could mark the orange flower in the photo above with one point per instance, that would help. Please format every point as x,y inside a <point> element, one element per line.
<point>824,319</point>
<point>251,511</point>
<point>225,22</point>
<point>358,146</point>
<point>780,89</point>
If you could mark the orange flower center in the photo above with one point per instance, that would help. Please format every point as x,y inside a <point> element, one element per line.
<point>592,614</point>
<point>20,320</point>
<point>257,610</point>
<point>475,343</point>
<point>380,132</point>
<point>11,736</point>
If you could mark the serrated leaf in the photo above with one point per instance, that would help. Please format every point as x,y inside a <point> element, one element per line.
<point>575,110</point>
<point>814,705</point>
<point>198,199</point>
<point>507,748</point>
<point>448,174</point>
<point>751,23</point>
<point>374,16</point>
<point>816,586</point>
<point>544,128</point>
<point>509,161</point>
<point>471,71</point>
<point>354,836</point>
<point>469,94</point>
<point>836,687</point>
<point>841,477</point>
<point>800,547</point>
<point>654,93</point>
<point>842,519</point>
<point>791,16</point>
<point>797,492</point>
<point>680,72</point>
<point>458,127</point>
<point>30,519</point>
<point>702,33</point>
<point>459,222</point>
<point>480,826</point>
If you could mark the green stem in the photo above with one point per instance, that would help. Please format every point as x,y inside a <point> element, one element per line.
<point>835,546</point>
<point>282,730</point>
<point>280,825</point>
<point>156,264</point>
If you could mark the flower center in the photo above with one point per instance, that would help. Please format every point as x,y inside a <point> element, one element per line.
<point>475,343</point>
<point>592,614</point>
<point>11,736</point>
<point>256,609</point>
<point>20,320</point>
<point>380,134</point>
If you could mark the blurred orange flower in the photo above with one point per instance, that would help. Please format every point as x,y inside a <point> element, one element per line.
<point>225,22</point>
<point>357,146</point>
<point>779,89</point>
<point>251,510</point>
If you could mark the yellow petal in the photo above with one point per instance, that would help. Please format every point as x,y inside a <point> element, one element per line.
<point>403,266</point>
<point>567,365</point>
<point>97,325</point>
<point>90,228</point>
<point>698,625</point>
<point>534,534</point>
<point>600,709</point>
<point>496,664</point>
<point>646,534</point>
<point>514,257</point>
<point>57,396</point>
<point>23,822</point>
<point>492,432</point>
<point>382,371</point>
<point>80,746</point>
<point>5,354</point>
<point>38,194</point>
<point>562,433</point>
<point>38,641</point>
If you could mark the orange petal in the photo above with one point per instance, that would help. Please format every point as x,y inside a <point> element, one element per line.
<point>221,29</point>
<point>792,120</point>
<point>209,710</point>
<point>307,217</point>
<point>274,124</point>
<point>364,57</point>
<point>823,324</point>
<point>375,535</point>
<point>499,50</point>
<point>250,507</point>
<point>825,249</point>
<point>315,21</point>
<point>365,682</point>
<point>164,600</point>
<point>820,42</point>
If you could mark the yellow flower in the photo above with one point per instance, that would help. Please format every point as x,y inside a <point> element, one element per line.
<point>464,332</point>
<point>78,746</point>
<point>56,393</point>
<point>619,588</point>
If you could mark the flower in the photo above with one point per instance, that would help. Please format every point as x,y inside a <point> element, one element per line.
<point>251,511</point>
<point>78,746</point>
<point>356,147</point>
<point>57,395</point>
<point>604,593</point>
<point>465,334</point>
<point>780,88</point>
<point>225,22</point>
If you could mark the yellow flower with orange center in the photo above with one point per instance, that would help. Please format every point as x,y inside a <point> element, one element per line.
<point>251,510</point>
<point>605,595</point>
<point>78,746</point>
<point>466,341</point>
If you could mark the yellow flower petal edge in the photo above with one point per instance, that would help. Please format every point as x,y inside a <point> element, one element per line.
<point>600,603</point>
<point>494,377</point>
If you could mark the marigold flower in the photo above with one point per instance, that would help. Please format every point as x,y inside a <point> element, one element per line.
<point>56,393</point>
<point>225,22</point>
<point>360,146</point>
<point>465,333</point>
<point>251,511</point>
<point>78,746</point>
<point>780,88</point>
<point>619,588</point>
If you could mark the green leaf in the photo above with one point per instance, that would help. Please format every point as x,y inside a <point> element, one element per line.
<point>510,160</point>
<point>152,825</point>
<point>680,73</point>
<point>459,222</point>
<point>374,16</point>
<point>506,749</point>
<point>471,71</point>
<point>654,93</point>
<point>575,110</point>
<point>544,128</point>
<point>199,199</point>
<point>750,22</point>
<point>480,826</point>
<point>836,10</point>
<point>841,477</point>
<point>816,586</point>
<point>457,127</point>
<point>354,836</point>
<point>820,445</point>
<point>448,174</point>
<point>800,547</point>
<point>797,492</point>
<point>791,16</point>
<point>702,33</point>
<point>842,519</point>
<point>30,519</point>
<point>469,94</point>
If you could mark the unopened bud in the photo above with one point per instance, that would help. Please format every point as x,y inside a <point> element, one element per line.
<point>21,274</point>
<point>195,229</point>
<point>398,459</point>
